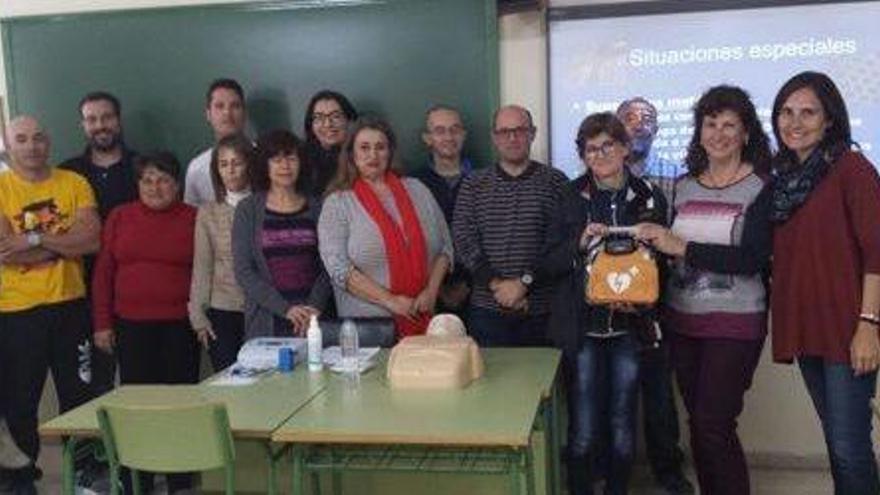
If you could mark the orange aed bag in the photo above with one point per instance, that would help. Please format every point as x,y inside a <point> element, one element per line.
<point>620,269</point>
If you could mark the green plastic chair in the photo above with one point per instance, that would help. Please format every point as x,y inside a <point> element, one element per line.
<point>168,439</point>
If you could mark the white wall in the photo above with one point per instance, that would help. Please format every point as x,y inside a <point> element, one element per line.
<point>778,423</point>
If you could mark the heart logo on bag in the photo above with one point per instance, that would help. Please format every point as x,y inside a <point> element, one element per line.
<point>618,282</point>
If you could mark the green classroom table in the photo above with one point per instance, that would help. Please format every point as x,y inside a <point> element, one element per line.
<point>254,410</point>
<point>482,429</point>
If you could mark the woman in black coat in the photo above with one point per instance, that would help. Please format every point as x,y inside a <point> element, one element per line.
<point>600,343</point>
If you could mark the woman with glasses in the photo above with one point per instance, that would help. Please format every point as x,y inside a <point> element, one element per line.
<point>382,237</point>
<point>600,343</point>
<point>826,270</point>
<point>715,303</point>
<point>328,115</point>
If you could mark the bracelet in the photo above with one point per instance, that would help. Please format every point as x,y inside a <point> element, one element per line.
<point>871,318</point>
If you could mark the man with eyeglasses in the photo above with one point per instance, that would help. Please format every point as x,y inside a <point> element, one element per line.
<point>499,228</point>
<point>659,412</point>
<point>225,112</point>
<point>639,116</point>
<point>444,137</point>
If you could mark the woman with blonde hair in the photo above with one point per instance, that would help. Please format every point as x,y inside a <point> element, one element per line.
<point>382,237</point>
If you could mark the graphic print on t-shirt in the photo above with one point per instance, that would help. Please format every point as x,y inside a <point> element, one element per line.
<point>706,222</point>
<point>42,217</point>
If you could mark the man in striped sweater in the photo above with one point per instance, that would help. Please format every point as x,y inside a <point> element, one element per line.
<point>499,227</point>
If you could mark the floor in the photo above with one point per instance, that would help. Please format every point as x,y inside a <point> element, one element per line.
<point>764,481</point>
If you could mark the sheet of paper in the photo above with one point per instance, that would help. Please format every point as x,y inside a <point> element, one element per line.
<point>237,375</point>
<point>332,358</point>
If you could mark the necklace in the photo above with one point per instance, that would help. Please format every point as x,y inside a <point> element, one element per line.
<point>740,170</point>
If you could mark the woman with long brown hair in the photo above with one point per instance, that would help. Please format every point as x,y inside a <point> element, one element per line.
<point>382,237</point>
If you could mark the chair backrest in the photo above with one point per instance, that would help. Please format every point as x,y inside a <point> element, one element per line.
<point>178,438</point>
<point>372,332</point>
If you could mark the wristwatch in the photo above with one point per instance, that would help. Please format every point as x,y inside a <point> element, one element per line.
<point>34,239</point>
<point>527,279</point>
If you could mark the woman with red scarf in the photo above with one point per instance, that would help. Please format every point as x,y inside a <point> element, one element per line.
<point>382,238</point>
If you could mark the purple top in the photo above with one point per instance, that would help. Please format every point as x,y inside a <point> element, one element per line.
<point>290,246</point>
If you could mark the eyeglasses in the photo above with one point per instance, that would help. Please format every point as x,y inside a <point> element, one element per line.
<point>602,150</point>
<point>440,131</point>
<point>513,132</point>
<point>334,118</point>
<point>640,116</point>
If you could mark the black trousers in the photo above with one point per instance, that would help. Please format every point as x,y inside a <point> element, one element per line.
<point>157,352</point>
<point>228,326</point>
<point>53,336</point>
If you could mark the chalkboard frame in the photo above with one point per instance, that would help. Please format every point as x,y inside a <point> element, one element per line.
<point>68,141</point>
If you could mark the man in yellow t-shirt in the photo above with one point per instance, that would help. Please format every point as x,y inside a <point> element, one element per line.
<point>48,220</point>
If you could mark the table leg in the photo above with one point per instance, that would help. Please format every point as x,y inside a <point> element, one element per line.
<point>316,483</point>
<point>274,457</point>
<point>67,469</point>
<point>337,482</point>
<point>553,443</point>
<point>517,463</point>
<point>298,476</point>
<point>547,427</point>
<point>530,471</point>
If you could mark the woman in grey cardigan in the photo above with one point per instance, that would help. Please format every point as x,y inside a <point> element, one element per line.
<point>275,243</point>
<point>383,238</point>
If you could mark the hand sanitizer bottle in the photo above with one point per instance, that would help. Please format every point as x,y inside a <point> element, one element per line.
<point>315,343</point>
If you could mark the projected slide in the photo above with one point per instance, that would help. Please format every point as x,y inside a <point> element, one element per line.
<point>671,59</point>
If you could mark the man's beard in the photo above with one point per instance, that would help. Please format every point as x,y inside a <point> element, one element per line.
<point>105,144</point>
<point>640,147</point>
<point>456,154</point>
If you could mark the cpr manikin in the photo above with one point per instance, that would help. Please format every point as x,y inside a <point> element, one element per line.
<point>444,358</point>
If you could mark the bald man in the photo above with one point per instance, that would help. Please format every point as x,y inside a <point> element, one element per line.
<point>500,224</point>
<point>48,221</point>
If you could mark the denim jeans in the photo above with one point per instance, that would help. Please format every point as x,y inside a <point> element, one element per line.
<point>842,401</point>
<point>492,328</point>
<point>602,396</point>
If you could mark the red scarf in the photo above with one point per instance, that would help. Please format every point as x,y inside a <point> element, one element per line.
<point>407,262</point>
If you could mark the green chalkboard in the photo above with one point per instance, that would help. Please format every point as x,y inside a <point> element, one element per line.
<point>391,57</point>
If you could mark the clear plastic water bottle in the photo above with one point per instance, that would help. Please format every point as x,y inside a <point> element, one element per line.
<point>314,340</point>
<point>348,341</point>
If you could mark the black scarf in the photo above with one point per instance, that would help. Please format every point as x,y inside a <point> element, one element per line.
<point>794,183</point>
